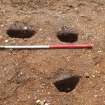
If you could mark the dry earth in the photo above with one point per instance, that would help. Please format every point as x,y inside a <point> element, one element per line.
<point>28,75</point>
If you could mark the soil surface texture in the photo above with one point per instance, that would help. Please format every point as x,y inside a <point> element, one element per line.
<point>59,76</point>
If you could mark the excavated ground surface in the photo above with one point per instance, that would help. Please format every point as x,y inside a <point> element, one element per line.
<point>28,75</point>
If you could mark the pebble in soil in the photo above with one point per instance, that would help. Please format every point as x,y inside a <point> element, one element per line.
<point>67,34</point>
<point>20,30</point>
<point>40,102</point>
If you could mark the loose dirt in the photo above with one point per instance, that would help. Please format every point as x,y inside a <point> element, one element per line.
<point>28,75</point>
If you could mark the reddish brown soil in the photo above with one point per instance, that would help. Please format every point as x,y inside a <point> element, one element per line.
<point>28,75</point>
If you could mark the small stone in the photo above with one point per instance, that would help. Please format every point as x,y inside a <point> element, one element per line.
<point>40,102</point>
<point>28,97</point>
<point>95,96</point>
<point>76,8</point>
<point>101,89</point>
<point>93,76</point>
<point>40,29</point>
<point>68,58</point>
<point>37,101</point>
<point>6,41</point>
<point>46,104</point>
<point>98,72</point>
<point>99,51</point>
<point>2,25</point>
<point>49,93</point>
<point>21,73</point>
<point>25,28</point>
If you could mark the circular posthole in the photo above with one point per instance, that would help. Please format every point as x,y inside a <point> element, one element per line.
<point>67,35</point>
<point>20,30</point>
<point>67,84</point>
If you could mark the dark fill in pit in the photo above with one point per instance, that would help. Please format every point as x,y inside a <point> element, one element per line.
<point>20,30</point>
<point>67,84</point>
<point>67,35</point>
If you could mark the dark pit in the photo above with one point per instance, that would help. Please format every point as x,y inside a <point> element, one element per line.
<point>67,35</point>
<point>20,30</point>
<point>67,84</point>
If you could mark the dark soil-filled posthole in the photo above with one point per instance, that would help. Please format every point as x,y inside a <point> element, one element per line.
<point>67,84</point>
<point>20,30</point>
<point>67,35</point>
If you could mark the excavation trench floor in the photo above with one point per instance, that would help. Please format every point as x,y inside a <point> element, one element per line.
<point>28,75</point>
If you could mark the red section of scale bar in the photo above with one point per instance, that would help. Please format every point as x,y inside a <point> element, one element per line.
<point>72,46</point>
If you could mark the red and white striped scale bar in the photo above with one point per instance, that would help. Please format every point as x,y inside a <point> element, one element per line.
<point>58,46</point>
